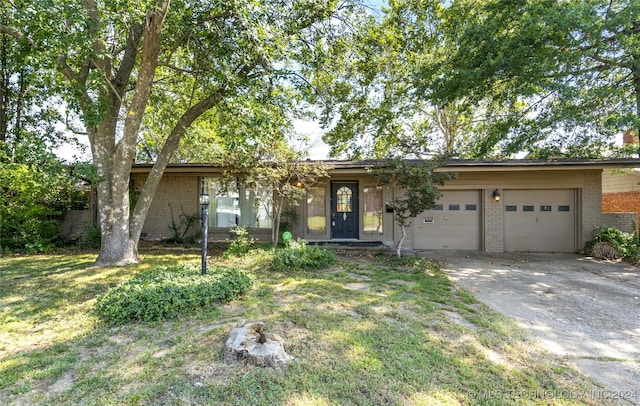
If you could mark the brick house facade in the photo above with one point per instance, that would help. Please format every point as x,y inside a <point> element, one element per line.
<point>493,206</point>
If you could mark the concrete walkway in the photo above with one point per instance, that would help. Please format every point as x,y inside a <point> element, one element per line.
<point>584,310</point>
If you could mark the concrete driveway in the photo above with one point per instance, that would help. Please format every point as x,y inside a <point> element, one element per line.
<point>585,310</point>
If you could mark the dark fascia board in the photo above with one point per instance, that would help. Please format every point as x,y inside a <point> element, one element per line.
<point>453,165</point>
<point>180,168</point>
<point>464,165</point>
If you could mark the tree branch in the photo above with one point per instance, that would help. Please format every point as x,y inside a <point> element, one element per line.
<point>17,34</point>
<point>103,63</point>
<point>165,155</point>
<point>172,67</point>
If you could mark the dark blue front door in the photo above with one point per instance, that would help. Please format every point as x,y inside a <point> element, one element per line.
<point>344,209</point>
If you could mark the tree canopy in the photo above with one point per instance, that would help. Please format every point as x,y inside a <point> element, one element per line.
<point>171,80</point>
<point>160,66</point>
<point>29,117</point>
<point>489,78</point>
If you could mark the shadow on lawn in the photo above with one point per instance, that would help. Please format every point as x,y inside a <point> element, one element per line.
<point>387,343</point>
<point>47,313</point>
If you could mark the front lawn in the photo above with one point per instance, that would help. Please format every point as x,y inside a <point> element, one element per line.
<point>369,330</point>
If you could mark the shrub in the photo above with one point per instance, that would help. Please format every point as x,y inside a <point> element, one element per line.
<point>605,250</point>
<point>241,244</point>
<point>166,292</point>
<point>627,244</point>
<point>93,239</point>
<point>31,201</point>
<point>298,256</point>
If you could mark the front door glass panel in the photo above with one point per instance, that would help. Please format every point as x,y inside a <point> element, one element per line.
<point>345,200</point>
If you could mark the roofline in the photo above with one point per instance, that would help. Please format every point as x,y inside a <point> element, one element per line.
<point>452,165</point>
<point>468,165</point>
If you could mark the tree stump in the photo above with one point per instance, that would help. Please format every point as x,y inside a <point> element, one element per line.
<point>250,343</point>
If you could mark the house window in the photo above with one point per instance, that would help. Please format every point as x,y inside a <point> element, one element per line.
<point>255,207</point>
<point>373,210</point>
<point>236,205</point>
<point>345,200</point>
<point>316,212</point>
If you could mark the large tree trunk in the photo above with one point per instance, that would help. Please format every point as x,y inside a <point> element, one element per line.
<point>116,247</point>
<point>114,161</point>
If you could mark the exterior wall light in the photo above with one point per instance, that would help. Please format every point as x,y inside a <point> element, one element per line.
<point>204,203</point>
<point>496,195</point>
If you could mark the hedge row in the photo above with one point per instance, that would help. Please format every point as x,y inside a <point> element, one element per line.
<point>166,292</point>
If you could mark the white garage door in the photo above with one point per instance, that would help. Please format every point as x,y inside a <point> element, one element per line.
<point>540,220</point>
<point>454,223</point>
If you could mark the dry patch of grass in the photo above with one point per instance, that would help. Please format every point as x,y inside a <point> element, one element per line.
<point>370,330</point>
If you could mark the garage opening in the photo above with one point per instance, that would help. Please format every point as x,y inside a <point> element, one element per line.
<point>540,220</point>
<point>454,223</point>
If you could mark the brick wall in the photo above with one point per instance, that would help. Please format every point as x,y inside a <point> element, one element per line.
<point>622,202</point>
<point>622,221</point>
<point>75,224</point>
<point>175,193</point>
<point>493,222</point>
<point>591,205</point>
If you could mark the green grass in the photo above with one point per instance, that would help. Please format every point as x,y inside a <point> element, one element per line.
<point>371,330</point>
